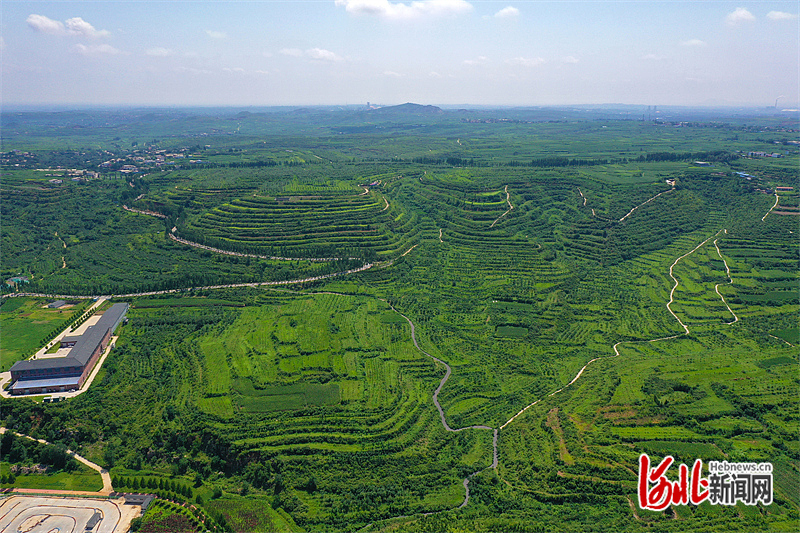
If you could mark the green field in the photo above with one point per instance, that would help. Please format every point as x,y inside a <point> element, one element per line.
<point>520,253</point>
<point>26,323</point>
<point>83,479</point>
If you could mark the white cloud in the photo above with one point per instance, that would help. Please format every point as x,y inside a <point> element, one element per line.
<point>507,13</point>
<point>45,25</point>
<point>693,42</point>
<point>570,59</point>
<point>238,70</point>
<point>392,74</point>
<point>322,55</point>
<point>97,50</point>
<point>216,34</point>
<point>319,54</point>
<point>159,52</point>
<point>781,15</point>
<point>480,60</point>
<point>525,61</point>
<point>652,57</point>
<point>434,74</point>
<point>71,27</point>
<point>78,26</point>
<point>738,16</point>
<point>401,11</point>
<point>191,70</point>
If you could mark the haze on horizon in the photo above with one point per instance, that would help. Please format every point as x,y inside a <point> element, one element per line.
<point>443,52</point>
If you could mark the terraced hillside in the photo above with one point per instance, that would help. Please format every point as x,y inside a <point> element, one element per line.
<point>306,224</point>
<point>572,317</point>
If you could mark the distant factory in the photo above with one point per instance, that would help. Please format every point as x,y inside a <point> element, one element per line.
<point>61,374</point>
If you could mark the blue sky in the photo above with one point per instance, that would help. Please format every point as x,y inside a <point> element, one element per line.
<point>428,51</point>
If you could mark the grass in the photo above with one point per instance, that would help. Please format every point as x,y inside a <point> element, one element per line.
<point>25,323</point>
<point>511,331</point>
<point>791,335</point>
<point>82,479</point>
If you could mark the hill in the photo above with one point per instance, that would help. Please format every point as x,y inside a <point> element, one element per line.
<point>408,109</point>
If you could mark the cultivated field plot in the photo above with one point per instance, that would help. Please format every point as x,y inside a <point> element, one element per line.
<point>63,515</point>
<point>519,251</point>
<point>301,221</point>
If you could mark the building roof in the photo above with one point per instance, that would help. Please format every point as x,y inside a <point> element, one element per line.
<point>56,304</point>
<point>86,345</point>
<point>41,383</point>
<point>139,499</point>
<point>49,362</point>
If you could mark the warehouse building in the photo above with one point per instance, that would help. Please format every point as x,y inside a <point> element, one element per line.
<point>61,374</point>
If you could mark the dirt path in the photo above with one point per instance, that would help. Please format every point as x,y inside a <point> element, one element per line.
<point>366,266</point>
<point>777,199</point>
<point>510,207</point>
<point>672,292</point>
<point>409,250</point>
<point>448,372</point>
<point>255,256</point>
<point>440,235</point>
<point>616,349</point>
<point>387,204</point>
<point>646,202</point>
<point>64,245</point>
<point>782,340</point>
<point>139,211</point>
<point>616,346</point>
<point>107,488</point>
<point>594,214</point>
<point>730,280</point>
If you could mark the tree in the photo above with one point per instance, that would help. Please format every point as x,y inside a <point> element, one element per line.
<point>18,452</point>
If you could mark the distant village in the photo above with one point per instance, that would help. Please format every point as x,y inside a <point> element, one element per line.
<point>136,161</point>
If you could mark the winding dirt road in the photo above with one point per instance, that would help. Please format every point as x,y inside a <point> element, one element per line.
<point>646,202</point>
<point>107,488</point>
<point>616,346</point>
<point>448,372</point>
<point>510,207</point>
<point>730,280</point>
<point>777,199</point>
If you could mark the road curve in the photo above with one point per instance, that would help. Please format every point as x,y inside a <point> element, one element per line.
<point>510,207</point>
<point>615,347</point>
<point>672,292</point>
<point>730,280</point>
<point>448,372</point>
<point>107,488</point>
<point>777,198</point>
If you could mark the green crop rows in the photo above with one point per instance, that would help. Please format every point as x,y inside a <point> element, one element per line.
<point>520,253</point>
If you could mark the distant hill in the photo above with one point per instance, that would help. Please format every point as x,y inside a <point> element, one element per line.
<point>408,109</point>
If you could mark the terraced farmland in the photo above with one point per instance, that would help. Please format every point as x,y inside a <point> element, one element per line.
<point>309,223</point>
<point>587,312</point>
